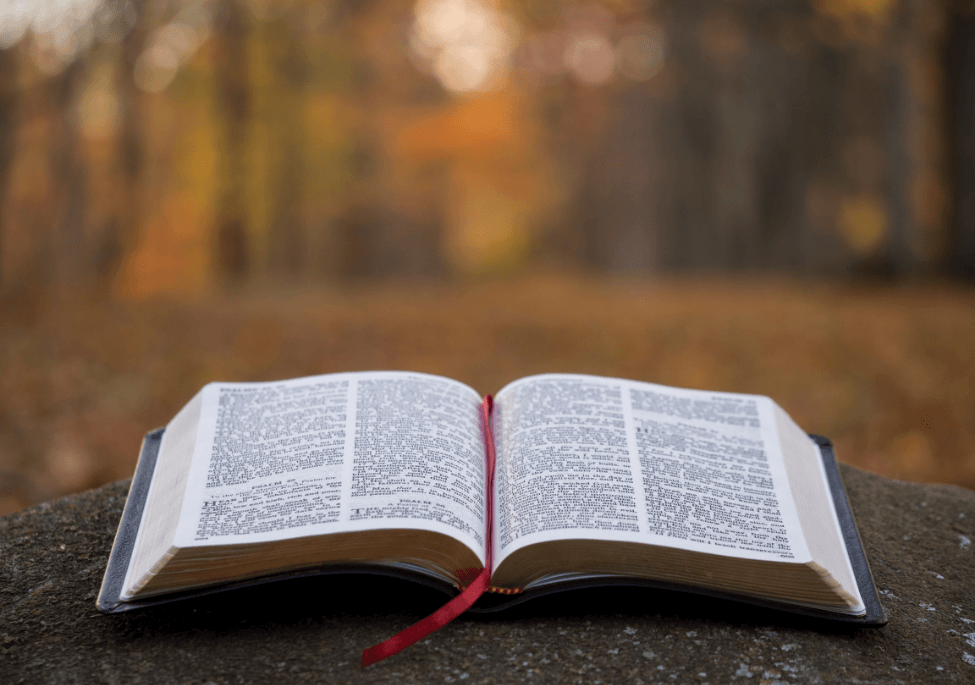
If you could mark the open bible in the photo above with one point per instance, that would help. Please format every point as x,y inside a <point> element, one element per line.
<point>562,481</point>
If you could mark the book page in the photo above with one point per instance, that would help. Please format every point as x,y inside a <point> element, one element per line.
<point>336,453</point>
<point>610,459</point>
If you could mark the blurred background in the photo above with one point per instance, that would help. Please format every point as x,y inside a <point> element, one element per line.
<point>742,195</point>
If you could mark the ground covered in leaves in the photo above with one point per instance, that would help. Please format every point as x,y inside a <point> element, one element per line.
<point>886,371</point>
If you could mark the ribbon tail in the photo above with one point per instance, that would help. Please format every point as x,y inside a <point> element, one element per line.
<point>432,623</point>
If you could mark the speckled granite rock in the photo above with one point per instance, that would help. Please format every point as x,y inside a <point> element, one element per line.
<point>918,539</point>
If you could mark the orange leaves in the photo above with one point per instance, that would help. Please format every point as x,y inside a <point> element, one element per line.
<point>172,257</point>
<point>473,129</point>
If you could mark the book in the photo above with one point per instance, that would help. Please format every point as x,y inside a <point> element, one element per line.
<point>559,481</point>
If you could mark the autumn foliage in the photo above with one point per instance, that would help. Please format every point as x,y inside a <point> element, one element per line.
<point>197,190</point>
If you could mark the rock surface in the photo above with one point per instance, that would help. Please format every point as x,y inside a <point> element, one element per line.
<point>918,539</point>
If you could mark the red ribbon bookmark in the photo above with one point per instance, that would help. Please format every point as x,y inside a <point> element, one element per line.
<point>435,621</point>
<point>462,602</point>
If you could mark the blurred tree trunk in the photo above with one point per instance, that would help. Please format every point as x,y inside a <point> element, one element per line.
<point>122,234</point>
<point>960,67</point>
<point>233,250</point>
<point>705,167</point>
<point>8,135</point>
<point>625,178</point>
<point>770,142</point>
<point>897,257</point>
<point>287,241</point>
<point>68,170</point>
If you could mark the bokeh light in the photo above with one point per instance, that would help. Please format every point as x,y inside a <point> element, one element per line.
<point>863,223</point>
<point>465,43</point>
<point>590,47</point>
<point>62,29</point>
<point>641,54</point>
<point>170,46</point>
<point>590,58</point>
<point>15,19</point>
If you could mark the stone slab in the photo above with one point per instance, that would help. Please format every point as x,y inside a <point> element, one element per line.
<point>918,539</point>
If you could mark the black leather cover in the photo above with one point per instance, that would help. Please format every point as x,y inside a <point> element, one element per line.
<point>109,600</point>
